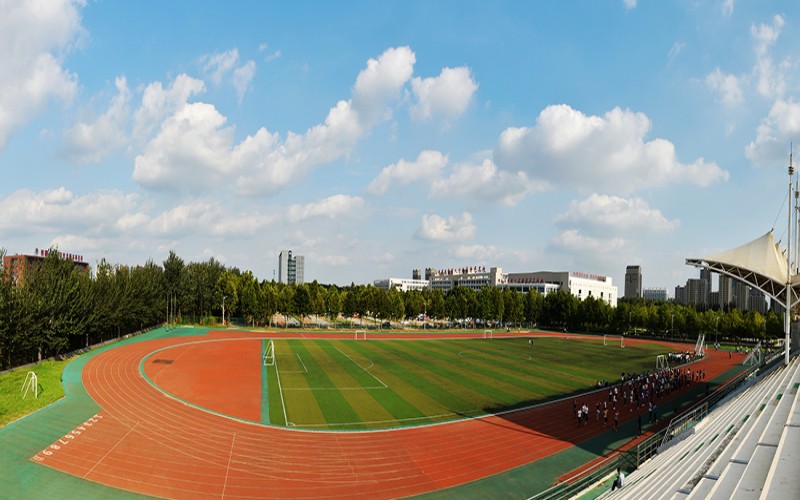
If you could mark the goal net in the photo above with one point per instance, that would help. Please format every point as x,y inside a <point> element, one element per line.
<point>361,335</point>
<point>269,354</point>
<point>700,346</point>
<point>31,384</point>
<point>614,340</point>
<point>662,363</point>
<point>488,334</point>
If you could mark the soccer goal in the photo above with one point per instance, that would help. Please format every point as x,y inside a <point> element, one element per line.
<point>269,354</point>
<point>700,346</point>
<point>361,335</point>
<point>612,340</point>
<point>662,363</point>
<point>31,383</point>
<point>488,334</point>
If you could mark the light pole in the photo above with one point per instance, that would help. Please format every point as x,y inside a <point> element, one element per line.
<point>716,331</point>
<point>672,327</point>
<point>223,309</point>
<point>425,315</point>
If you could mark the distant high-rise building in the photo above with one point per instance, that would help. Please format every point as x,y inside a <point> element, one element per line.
<point>705,275</point>
<point>680,295</point>
<point>633,282</point>
<point>741,295</point>
<point>757,301</point>
<point>655,294</point>
<point>291,269</point>
<point>696,293</point>
<point>415,274</point>
<point>726,297</point>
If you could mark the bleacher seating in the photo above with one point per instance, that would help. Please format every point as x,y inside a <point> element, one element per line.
<point>745,448</point>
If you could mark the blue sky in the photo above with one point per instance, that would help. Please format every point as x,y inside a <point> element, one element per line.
<point>378,137</point>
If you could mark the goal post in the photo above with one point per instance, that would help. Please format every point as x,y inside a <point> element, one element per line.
<point>269,354</point>
<point>361,335</point>
<point>700,346</point>
<point>662,363</point>
<point>488,334</point>
<point>31,384</point>
<point>612,340</point>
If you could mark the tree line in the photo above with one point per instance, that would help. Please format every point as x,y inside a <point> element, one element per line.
<point>59,308</point>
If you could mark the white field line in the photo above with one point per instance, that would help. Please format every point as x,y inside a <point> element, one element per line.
<point>365,369</point>
<point>228,469</point>
<point>109,451</point>
<point>280,391</point>
<point>305,370</point>
<point>377,422</point>
<point>313,389</point>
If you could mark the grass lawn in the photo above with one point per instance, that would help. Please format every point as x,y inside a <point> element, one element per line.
<point>12,406</point>
<point>355,385</point>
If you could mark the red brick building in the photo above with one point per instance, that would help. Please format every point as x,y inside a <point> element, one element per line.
<point>16,266</point>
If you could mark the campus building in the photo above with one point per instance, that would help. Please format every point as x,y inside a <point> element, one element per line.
<point>16,266</point>
<point>633,282</point>
<point>402,284</point>
<point>581,285</point>
<point>291,269</point>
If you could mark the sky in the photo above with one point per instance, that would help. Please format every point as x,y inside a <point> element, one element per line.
<point>379,137</point>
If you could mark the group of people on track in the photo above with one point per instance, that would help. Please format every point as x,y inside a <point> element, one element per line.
<point>633,392</point>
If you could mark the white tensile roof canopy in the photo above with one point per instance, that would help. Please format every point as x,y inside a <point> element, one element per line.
<point>760,264</point>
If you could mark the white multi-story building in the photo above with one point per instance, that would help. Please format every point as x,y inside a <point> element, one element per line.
<point>473,278</point>
<point>581,285</point>
<point>291,269</point>
<point>402,284</point>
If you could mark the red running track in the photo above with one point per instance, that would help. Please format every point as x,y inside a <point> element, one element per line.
<point>146,442</point>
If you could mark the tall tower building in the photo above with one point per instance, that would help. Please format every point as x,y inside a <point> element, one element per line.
<point>726,296</point>
<point>633,281</point>
<point>705,275</point>
<point>291,269</point>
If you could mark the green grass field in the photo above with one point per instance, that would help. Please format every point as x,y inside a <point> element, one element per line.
<point>12,406</point>
<point>355,385</point>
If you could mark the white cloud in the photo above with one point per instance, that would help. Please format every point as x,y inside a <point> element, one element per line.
<point>675,50</point>
<point>332,207</point>
<point>612,213</point>
<point>567,148</point>
<point>219,64</point>
<point>573,240</point>
<point>242,76</point>
<point>446,96</point>
<point>485,181</point>
<point>158,103</point>
<point>29,212</point>
<point>771,79</point>
<point>774,134</point>
<point>34,37</point>
<point>208,219</point>
<point>477,253</point>
<point>90,142</point>
<point>380,82</point>
<point>384,258</point>
<point>191,150</point>
<point>629,4</point>
<point>332,260</point>
<point>727,86</point>
<point>428,165</point>
<point>436,228</point>
<point>727,7</point>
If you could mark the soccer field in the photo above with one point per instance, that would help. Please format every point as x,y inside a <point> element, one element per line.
<point>376,384</point>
